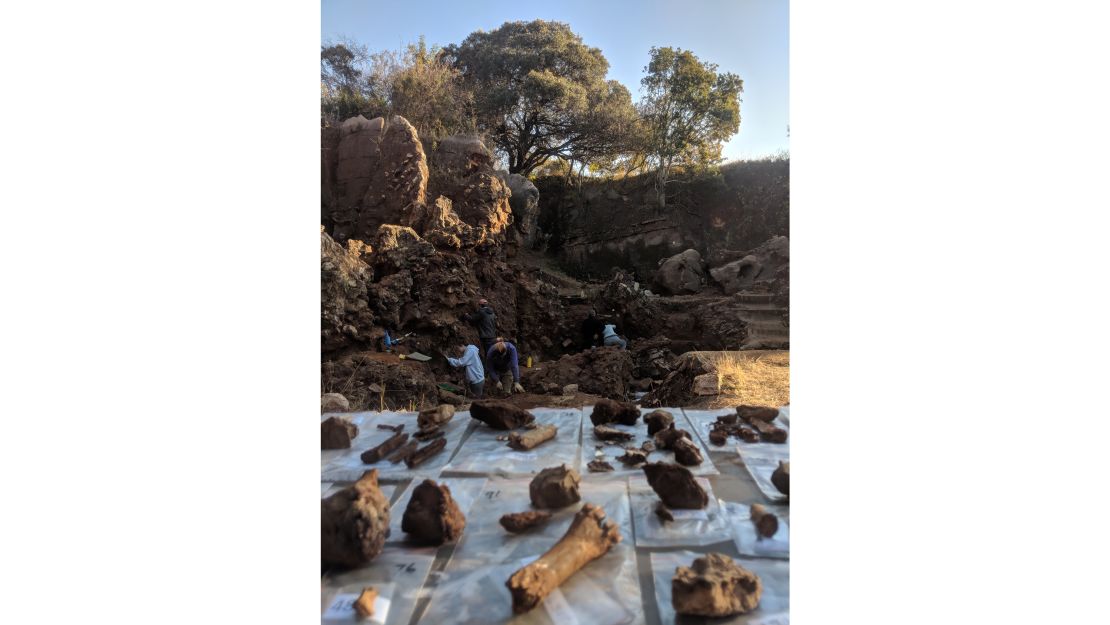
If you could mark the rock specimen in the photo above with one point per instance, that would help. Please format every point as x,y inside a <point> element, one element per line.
<point>749,435</point>
<point>599,466</point>
<point>675,485</point>
<point>758,413</point>
<point>728,419</point>
<point>658,420</point>
<point>647,447</point>
<point>403,452</point>
<point>432,517</point>
<point>781,478</point>
<point>364,605</point>
<point>589,537</point>
<point>554,487</point>
<point>633,457</point>
<point>718,437</point>
<point>715,586</point>
<point>434,417</point>
<point>663,513</point>
<point>354,523</point>
<point>425,436</point>
<point>609,433</point>
<point>533,437</point>
<point>523,521</point>
<point>337,433</point>
<point>500,415</point>
<point>766,524</point>
<point>768,432</point>
<point>375,454</point>
<point>664,439</point>
<point>420,455</point>
<point>610,411</point>
<point>686,452</point>
<point>334,402</point>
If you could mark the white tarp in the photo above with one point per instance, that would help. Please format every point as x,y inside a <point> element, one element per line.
<point>483,454</point>
<point>348,466</point>
<point>773,604</point>
<point>610,451</point>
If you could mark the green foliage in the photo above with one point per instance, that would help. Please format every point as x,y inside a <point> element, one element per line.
<point>690,111</point>
<point>541,93</point>
<point>416,84</point>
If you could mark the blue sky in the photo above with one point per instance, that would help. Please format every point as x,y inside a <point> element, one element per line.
<point>747,37</point>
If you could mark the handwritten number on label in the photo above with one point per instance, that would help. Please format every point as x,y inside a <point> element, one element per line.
<point>492,494</point>
<point>406,568</point>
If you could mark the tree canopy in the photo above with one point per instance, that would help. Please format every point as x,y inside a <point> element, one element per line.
<point>690,110</point>
<point>541,93</point>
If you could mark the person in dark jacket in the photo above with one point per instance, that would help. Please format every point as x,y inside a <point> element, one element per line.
<point>503,362</point>
<point>592,329</point>
<point>485,320</point>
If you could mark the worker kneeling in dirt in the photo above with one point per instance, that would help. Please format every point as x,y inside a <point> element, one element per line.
<point>475,373</point>
<point>610,337</point>
<point>503,361</point>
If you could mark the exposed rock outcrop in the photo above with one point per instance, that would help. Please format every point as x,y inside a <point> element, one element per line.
<point>757,269</point>
<point>681,273</point>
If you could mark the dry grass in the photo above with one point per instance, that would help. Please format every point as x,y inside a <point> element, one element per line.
<point>759,377</point>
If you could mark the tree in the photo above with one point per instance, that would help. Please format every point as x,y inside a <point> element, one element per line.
<point>541,93</point>
<point>690,111</point>
<point>429,92</point>
<point>350,83</point>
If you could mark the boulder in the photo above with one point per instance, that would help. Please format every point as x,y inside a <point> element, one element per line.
<point>764,267</point>
<point>334,402</point>
<point>525,204</point>
<point>461,170</point>
<point>681,273</point>
<point>380,176</point>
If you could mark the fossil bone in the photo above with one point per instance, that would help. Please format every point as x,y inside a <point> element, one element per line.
<point>781,478</point>
<point>686,452</point>
<point>432,517</point>
<point>522,521</point>
<point>658,420</point>
<point>425,452</point>
<point>609,433</point>
<point>370,456</point>
<point>589,537</point>
<point>757,413</point>
<point>532,438</point>
<point>434,418</point>
<point>766,524</point>
<point>500,415</point>
<point>609,411</point>
<point>714,585</point>
<point>364,605</point>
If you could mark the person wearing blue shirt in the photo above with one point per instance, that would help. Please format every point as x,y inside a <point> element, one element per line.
<point>475,373</point>
<point>503,361</point>
<point>609,337</point>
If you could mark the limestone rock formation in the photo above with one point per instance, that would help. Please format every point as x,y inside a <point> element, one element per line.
<point>432,517</point>
<point>759,266</point>
<point>379,176</point>
<point>681,273</point>
<point>715,586</point>
<point>461,170</point>
<point>554,487</point>
<point>354,523</point>
<point>345,314</point>
<point>525,204</point>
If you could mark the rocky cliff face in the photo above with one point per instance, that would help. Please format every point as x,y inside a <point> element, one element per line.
<point>617,223</point>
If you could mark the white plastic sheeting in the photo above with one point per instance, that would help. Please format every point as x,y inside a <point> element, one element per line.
<point>472,590</point>
<point>398,573</point>
<point>610,451</point>
<point>750,543</point>
<point>761,465</point>
<point>328,489</point>
<point>773,604</point>
<point>483,454</point>
<point>348,466</point>
<point>689,528</point>
<point>703,420</point>
<point>464,490</point>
